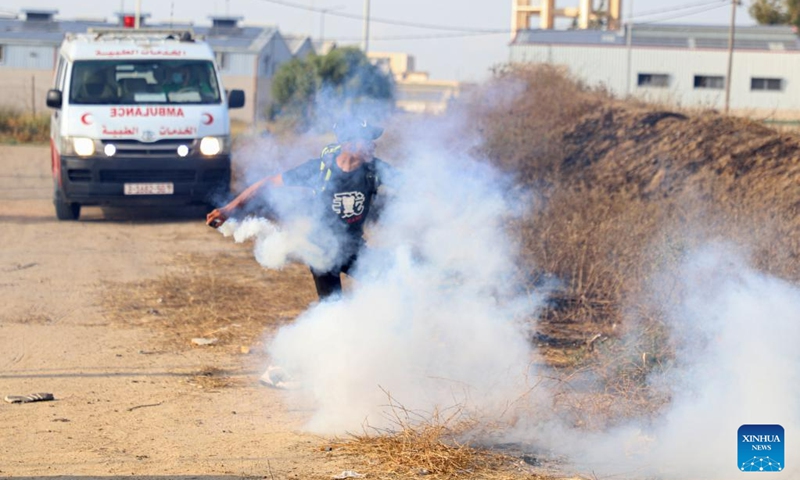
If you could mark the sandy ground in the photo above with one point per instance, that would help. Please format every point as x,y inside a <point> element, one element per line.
<point>121,408</point>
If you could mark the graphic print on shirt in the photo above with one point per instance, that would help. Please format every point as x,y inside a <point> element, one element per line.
<point>348,204</point>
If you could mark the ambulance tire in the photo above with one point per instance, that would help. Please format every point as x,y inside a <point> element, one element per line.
<point>66,210</point>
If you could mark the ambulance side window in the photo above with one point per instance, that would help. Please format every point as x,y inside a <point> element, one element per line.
<point>60,74</point>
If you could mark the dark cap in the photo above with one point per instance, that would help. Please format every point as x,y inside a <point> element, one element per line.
<point>353,129</point>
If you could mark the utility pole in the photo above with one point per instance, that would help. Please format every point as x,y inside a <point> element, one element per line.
<point>366,26</point>
<point>322,26</point>
<point>629,44</point>
<point>322,12</point>
<point>728,79</point>
<point>136,20</point>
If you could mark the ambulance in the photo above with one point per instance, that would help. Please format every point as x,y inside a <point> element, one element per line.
<point>140,117</point>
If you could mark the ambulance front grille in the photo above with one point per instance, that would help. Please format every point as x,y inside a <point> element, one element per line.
<point>159,148</point>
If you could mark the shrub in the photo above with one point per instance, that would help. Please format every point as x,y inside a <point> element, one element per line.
<point>20,127</point>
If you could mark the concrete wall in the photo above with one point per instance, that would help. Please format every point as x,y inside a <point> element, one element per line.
<point>237,64</point>
<point>28,56</point>
<point>25,89</point>
<point>426,97</point>
<point>608,65</point>
<point>272,56</point>
<point>248,84</point>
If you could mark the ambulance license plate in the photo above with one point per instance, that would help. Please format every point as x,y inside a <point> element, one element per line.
<point>149,189</point>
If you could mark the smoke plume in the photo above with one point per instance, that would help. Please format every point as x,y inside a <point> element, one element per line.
<point>436,319</point>
<point>433,320</point>
<point>734,332</point>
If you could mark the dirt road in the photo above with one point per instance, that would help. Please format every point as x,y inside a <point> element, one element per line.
<point>123,407</point>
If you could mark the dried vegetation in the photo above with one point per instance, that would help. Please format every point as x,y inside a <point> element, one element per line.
<point>228,299</point>
<point>18,127</point>
<point>624,190</point>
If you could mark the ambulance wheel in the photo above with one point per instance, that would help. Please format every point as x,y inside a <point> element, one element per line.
<point>66,210</point>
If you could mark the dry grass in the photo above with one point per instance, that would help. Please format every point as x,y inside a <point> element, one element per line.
<point>18,127</point>
<point>229,298</point>
<point>624,191</point>
<point>429,445</point>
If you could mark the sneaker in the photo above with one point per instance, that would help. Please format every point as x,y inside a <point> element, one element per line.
<point>276,377</point>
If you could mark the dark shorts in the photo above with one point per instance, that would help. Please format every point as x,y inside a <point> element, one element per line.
<point>330,283</point>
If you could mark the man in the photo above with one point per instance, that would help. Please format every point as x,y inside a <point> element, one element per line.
<point>178,79</point>
<point>97,89</point>
<point>345,181</point>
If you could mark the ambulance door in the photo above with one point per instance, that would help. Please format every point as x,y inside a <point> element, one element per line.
<point>58,116</point>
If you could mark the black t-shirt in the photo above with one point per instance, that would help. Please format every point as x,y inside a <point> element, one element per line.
<point>344,199</point>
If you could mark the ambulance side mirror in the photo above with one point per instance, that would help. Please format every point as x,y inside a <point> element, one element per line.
<point>236,99</point>
<point>54,98</point>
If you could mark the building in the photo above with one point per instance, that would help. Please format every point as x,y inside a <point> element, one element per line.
<point>248,56</point>
<point>299,45</point>
<point>679,64</point>
<point>585,15</point>
<point>414,90</point>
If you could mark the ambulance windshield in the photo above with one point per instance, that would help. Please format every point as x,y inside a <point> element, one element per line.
<point>133,82</point>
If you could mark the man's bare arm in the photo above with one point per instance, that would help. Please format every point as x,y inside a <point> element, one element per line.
<point>218,216</point>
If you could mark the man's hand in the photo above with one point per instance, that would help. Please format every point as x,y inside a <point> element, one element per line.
<point>217,217</point>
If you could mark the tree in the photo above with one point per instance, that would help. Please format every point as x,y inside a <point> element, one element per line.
<point>294,85</point>
<point>773,12</point>
<point>793,7</point>
<point>322,86</point>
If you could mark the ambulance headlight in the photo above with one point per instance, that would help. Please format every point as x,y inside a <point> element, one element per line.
<point>211,146</point>
<point>110,150</point>
<point>83,147</point>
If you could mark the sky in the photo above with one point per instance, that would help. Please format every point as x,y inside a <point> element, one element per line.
<point>436,51</point>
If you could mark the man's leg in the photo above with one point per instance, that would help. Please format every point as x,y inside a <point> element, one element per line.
<point>327,284</point>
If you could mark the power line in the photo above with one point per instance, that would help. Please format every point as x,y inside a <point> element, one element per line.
<point>422,37</point>
<point>388,21</point>
<point>689,14</point>
<point>686,6</point>
<point>463,32</point>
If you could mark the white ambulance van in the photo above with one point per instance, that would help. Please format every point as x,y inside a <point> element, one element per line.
<point>140,117</point>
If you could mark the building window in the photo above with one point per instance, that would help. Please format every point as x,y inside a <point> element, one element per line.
<point>766,84</point>
<point>222,60</point>
<point>716,82</point>
<point>660,80</point>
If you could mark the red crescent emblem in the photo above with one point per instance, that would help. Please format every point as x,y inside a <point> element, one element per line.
<point>208,119</point>
<point>85,119</point>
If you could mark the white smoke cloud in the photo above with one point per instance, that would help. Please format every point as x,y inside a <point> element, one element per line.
<point>433,318</point>
<point>277,245</point>
<point>738,363</point>
<point>735,331</point>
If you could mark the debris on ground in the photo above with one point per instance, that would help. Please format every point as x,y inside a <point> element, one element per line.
<point>34,397</point>
<point>348,474</point>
